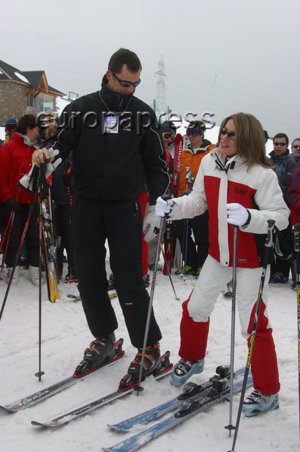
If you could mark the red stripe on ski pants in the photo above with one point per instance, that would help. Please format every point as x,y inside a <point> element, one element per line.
<point>264,361</point>
<point>143,204</point>
<point>197,309</point>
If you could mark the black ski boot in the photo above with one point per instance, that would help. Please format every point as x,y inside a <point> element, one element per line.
<point>151,364</point>
<point>98,353</point>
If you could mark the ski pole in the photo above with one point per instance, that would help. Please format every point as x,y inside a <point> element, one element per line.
<point>267,260</point>
<point>169,274</point>
<point>233,309</point>
<point>18,253</point>
<point>40,372</point>
<point>185,241</point>
<point>297,252</point>
<point>6,237</point>
<point>7,232</point>
<point>138,388</point>
<point>41,183</point>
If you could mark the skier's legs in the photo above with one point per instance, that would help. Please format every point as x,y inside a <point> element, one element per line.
<point>89,250</point>
<point>264,361</point>
<point>143,204</point>
<point>187,244</point>
<point>194,325</point>
<point>32,236</point>
<point>14,238</point>
<point>124,225</point>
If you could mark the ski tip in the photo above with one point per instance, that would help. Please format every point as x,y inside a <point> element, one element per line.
<point>115,428</point>
<point>37,424</point>
<point>7,409</point>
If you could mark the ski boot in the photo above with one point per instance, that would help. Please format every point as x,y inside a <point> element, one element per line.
<point>71,277</point>
<point>152,362</point>
<point>257,403</point>
<point>186,270</point>
<point>184,369</point>
<point>96,355</point>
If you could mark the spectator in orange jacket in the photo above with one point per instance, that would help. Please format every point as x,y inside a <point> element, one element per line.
<point>193,233</point>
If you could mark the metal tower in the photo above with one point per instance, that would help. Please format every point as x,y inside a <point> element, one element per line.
<point>160,99</point>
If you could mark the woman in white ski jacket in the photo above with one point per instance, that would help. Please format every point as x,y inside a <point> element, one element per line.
<point>237,187</point>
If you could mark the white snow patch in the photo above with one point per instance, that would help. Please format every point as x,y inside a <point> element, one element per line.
<point>22,77</point>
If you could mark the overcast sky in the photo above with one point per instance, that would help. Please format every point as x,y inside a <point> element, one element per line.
<point>220,56</point>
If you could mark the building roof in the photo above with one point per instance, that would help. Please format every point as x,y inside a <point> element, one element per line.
<point>35,79</point>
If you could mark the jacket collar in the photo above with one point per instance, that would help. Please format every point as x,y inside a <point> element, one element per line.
<point>275,156</point>
<point>114,101</point>
<point>222,165</point>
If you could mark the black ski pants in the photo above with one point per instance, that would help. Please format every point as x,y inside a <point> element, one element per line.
<point>31,238</point>
<point>120,223</point>
<point>193,236</point>
<point>63,226</point>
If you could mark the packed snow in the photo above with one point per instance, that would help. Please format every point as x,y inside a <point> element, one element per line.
<point>65,335</point>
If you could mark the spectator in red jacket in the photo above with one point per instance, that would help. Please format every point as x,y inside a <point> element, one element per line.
<point>15,162</point>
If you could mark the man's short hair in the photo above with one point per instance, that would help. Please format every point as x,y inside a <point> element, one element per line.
<point>281,135</point>
<point>168,126</point>
<point>24,122</point>
<point>124,56</point>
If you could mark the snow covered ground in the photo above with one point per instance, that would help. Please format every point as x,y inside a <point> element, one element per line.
<point>64,337</point>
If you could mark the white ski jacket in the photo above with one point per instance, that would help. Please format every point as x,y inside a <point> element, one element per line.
<point>217,184</point>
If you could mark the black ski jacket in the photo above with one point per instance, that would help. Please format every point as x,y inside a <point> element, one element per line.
<point>113,166</point>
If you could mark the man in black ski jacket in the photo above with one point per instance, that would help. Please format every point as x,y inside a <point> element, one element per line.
<point>118,151</point>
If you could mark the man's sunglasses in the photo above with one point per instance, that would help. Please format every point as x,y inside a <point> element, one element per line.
<point>126,83</point>
<point>231,135</point>
<point>276,143</point>
<point>296,146</point>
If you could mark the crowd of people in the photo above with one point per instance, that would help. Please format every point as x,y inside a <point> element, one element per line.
<point>119,176</point>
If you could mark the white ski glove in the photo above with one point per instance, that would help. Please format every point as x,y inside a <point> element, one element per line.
<point>164,208</point>
<point>151,224</point>
<point>237,214</point>
<point>26,181</point>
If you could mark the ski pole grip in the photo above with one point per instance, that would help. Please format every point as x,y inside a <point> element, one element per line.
<point>269,243</point>
<point>166,197</point>
<point>297,238</point>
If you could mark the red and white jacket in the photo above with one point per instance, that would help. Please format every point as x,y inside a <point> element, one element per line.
<point>217,184</point>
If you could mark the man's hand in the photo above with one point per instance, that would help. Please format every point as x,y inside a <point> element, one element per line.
<point>41,155</point>
<point>151,225</point>
<point>164,208</point>
<point>27,180</point>
<point>237,214</point>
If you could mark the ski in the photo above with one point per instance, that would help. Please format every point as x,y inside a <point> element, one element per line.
<point>49,249</point>
<point>188,409</point>
<point>50,391</point>
<point>169,235</point>
<point>69,416</point>
<point>191,391</point>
